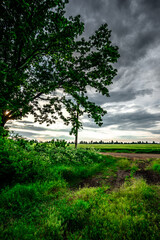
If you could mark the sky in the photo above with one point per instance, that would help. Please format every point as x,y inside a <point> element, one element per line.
<point>133,108</point>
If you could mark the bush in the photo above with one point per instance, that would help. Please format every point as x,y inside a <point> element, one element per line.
<point>72,156</point>
<point>22,162</point>
<point>18,164</point>
<point>123,164</point>
<point>156,166</point>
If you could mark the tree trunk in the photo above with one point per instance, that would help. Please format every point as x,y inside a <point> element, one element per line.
<point>3,132</point>
<point>2,124</point>
<point>76,140</point>
<point>6,116</point>
<point>76,135</point>
<point>2,120</point>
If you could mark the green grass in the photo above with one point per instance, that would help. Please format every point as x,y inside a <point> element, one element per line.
<point>137,148</point>
<point>155,165</point>
<point>41,197</point>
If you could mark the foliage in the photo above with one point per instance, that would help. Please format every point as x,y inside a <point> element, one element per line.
<point>42,198</point>
<point>60,143</point>
<point>19,163</point>
<point>34,34</point>
<point>155,165</point>
<point>124,164</point>
<point>22,161</point>
<point>40,55</point>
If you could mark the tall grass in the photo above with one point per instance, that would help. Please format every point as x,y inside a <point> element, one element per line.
<point>38,201</point>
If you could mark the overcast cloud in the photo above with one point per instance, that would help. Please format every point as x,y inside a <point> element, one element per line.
<point>134,102</point>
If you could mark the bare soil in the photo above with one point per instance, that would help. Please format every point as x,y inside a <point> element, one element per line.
<point>117,179</point>
<point>115,182</point>
<point>133,156</point>
<point>150,176</point>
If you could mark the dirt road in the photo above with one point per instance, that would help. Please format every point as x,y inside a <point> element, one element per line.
<point>133,155</point>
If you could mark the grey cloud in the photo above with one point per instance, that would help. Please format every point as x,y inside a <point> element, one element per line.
<point>30,127</point>
<point>127,95</point>
<point>145,38</point>
<point>123,4</point>
<point>135,120</point>
<point>120,96</point>
<point>25,122</point>
<point>89,11</point>
<point>134,24</point>
<point>150,8</point>
<point>36,129</point>
<point>85,8</point>
<point>133,50</point>
<point>26,134</point>
<point>151,4</point>
<point>130,121</point>
<point>45,137</point>
<point>155,132</point>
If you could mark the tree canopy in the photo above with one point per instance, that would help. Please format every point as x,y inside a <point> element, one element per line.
<point>41,54</point>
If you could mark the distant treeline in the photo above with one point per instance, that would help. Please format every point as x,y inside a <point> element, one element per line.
<point>115,142</point>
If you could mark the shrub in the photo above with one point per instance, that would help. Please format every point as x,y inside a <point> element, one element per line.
<point>156,166</point>
<point>18,164</point>
<point>72,156</point>
<point>124,164</point>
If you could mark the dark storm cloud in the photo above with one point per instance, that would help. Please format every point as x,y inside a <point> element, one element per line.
<point>151,8</point>
<point>123,4</point>
<point>137,29</point>
<point>127,95</point>
<point>89,11</point>
<point>137,120</point>
<point>136,47</point>
<point>119,96</point>
<point>134,23</point>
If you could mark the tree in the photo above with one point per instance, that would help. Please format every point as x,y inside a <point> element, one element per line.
<point>40,55</point>
<point>90,66</point>
<point>34,34</point>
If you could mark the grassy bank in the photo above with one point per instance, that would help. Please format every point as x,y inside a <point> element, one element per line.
<point>50,192</point>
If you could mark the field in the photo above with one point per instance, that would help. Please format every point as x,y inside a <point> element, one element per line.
<point>51,191</point>
<point>137,148</point>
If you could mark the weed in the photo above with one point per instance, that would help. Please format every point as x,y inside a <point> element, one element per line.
<point>156,165</point>
<point>124,164</point>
